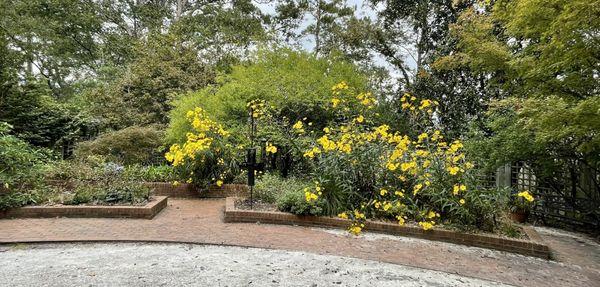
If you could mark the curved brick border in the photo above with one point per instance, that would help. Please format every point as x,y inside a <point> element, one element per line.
<point>147,211</point>
<point>533,247</point>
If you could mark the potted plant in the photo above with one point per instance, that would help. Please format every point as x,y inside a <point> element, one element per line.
<point>521,205</point>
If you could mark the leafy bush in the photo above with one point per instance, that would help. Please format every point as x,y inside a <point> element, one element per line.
<point>20,163</point>
<point>132,145</point>
<point>270,187</point>
<point>365,171</point>
<point>16,199</point>
<point>207,157</point>
<point>160,173</point>
<point>293,201</point>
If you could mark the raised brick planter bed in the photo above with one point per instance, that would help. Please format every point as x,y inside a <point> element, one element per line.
<point>185,190</point>
<point>147,211</point>
<point>533,247</point>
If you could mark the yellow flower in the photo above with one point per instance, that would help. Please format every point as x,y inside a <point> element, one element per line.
<point>219,183</point>
<point>355,229</point>
<point>400,219</point>
<point>526,195</point>
<point>416,188</point>
<point>391,166</point>
<point>326,130</point>
<point>431,214</point>
<point>343,215</point>
<point>399,193</point>
<point>298,126</point>
<point>453,170</point>
<point>387,206</point>
<point>383,192</point>
<point>426,163</point>
<point>312,152</point>
<point>426,225</point>
<point>358,215</point>
<point>335,102</point>
<point>271,148</point>
<point>461,201</point>
<point>360,119</point>
<point>309,196</point>
<point>455,189</point>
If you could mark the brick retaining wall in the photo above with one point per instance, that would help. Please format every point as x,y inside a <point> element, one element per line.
<point>533,247</point>
<point>147,211</point>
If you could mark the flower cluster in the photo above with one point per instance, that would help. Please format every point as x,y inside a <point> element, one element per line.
<point>342,95</point>
<point>271,148</point>
<point>525,195</point>
<point>411,103</point>
<point>311,195</point>
<point>413,169</point>
<point>523,201</point>
<point>256,108</point>
<point>205,147</point>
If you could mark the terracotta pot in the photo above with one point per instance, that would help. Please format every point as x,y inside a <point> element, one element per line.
<point>519,216</point>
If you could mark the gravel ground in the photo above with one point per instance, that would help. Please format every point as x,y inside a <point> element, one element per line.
<point>140,264</point>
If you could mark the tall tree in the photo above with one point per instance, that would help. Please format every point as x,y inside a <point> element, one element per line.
<point>324,17</point>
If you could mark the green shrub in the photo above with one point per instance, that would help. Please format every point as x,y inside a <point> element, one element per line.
<point>364,170</point>
<point>159,173</point>
<point>16,199</point>
<point>294,201</point>
<point>270,187</point>
<point>20,163</point>
<point>132,145</point>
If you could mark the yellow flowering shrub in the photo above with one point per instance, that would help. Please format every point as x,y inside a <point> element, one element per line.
<point>206,156</point>
<point>370,171</point>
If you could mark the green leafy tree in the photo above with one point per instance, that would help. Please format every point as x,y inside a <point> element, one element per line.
<point>324,18</point>
<point>543,56</point>
<point>294,83</point>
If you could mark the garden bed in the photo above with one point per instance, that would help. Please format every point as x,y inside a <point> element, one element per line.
<point>147,211</point>
<point>534,246</point>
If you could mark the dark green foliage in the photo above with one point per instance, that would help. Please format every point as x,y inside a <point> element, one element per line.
<point>20,163</point>
<point>39,119</point>
<point>19,198</point>
<point>132,145</point>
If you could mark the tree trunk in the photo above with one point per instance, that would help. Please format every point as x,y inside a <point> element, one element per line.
<point>318,28</point>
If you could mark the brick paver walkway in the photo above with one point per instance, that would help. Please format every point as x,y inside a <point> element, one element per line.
<point>200,221</point>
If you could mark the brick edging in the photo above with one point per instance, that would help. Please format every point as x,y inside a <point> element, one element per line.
<point>533,247</point>
<point>181,190</point>
<point>147,211</point>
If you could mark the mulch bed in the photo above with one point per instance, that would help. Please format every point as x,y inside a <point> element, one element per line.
<point>259,205</point>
